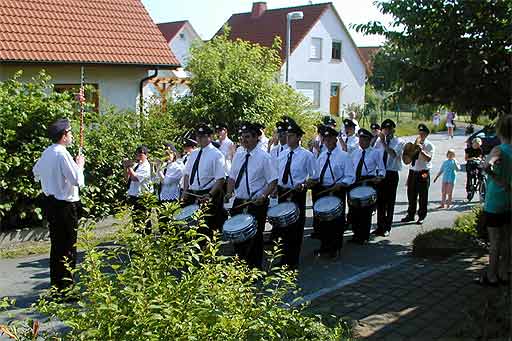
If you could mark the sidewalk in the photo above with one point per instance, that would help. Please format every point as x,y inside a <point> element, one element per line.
<point>419,299</point>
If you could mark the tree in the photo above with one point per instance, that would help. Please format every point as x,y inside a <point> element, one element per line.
<point>238,80</point>
<point>447,52</point>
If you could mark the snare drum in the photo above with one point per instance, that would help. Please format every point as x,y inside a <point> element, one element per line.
<point>187,213</point>
<point>239,228</point>
<point>328,208</point>
<point>283,214</point>
<point>362,196</point>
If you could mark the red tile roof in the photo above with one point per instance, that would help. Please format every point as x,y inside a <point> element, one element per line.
<point>170,29</point>
<point>87,31</point>
<point>367,53</point>
<point>272,22</point>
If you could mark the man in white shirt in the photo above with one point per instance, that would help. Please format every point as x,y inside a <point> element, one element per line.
<point>138,177</point>
<point>352,116</point>
<point>252,178</point>
<point>391,147</point>
<point>263,140</point>
<point>204,180</point>
<point>349,142</point>
<point>227,147</point>
<point>376,132</point>
<point>334,174</point>
<point>295,167</point>
<point>277,149</point>
<point>369,169</point>
<point>418,181</point>
<point>60,178</point>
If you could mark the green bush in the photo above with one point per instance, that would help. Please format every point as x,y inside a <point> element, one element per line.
<point>471,222</point>
<point>164,286</point>
<point>26,109</point>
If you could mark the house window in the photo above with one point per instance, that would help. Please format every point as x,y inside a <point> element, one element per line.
<point>91,93</point>
<point>311,90</point>
<point>336,50</point>
<point>316,48</point>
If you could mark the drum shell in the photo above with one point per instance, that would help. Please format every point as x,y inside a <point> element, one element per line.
<point>328,215</point>
<point>242,234</point>
<point>284,220</point>
<point>367,201</point>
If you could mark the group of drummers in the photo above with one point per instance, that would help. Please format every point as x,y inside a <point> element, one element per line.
<point>353,168</point>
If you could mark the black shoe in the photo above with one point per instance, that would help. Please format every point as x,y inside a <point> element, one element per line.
<point>420,221</point>
<point>407,219</point>
<point>380,233</point>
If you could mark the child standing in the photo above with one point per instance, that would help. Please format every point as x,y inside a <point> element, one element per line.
<point>449,170</point>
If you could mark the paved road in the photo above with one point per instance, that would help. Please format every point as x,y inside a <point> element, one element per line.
<point>25,278</point>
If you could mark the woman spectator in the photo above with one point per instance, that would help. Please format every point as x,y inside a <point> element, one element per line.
<point>497,207</point>
<point>450,123</point>
<point>171,176</point>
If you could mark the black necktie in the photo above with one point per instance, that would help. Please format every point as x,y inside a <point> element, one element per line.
<point>130,178</point>
<point>244,169</point>
<point>359,168</point>
<point>195,168</point>
<point>326,164</point>
<point>385,157</point>
<point>287,168</point>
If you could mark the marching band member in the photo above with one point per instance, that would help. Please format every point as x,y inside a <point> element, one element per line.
<point>188,147</point>
<point>263,140</point>
<point>60,178</point>
<point>418,180</point>
<point>386,190</point>
<point>369,168</point>
<point>296,166</point>
<point>204,179</point>
<point>350,142</point>
<point>334,171</point>
<point>171,176</point>
<point>281,146</point>
<point>318,145</point>
<point>376,141</point>
<point>227,147</point>
<point>352,116</point>
<point>252,178</point>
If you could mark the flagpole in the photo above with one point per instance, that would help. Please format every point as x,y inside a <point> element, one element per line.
<point>81,99</point>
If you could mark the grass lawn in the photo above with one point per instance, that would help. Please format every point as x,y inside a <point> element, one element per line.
<point>406,123</point>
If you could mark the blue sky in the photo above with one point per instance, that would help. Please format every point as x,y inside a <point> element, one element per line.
<point>207,16</point>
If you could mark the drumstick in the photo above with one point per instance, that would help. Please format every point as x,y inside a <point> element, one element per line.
<point>287,192</point>
<point>244,204</point>
<point>193,194</point>
<point>330,189</point>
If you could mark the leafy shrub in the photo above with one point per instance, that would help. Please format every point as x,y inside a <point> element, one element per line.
<point>471,223</point>
<point>441,242</point>
<point>26,109</point>
<point>164,286</point>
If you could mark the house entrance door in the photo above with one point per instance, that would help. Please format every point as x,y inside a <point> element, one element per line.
<point>334,104</point>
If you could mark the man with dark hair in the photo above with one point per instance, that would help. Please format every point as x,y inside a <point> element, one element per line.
<point>60,178</point>
<point>204,179</point>
<point>281,146</point>
<point>226,146</point>
<point>252,178</point>
<point>349,141</point>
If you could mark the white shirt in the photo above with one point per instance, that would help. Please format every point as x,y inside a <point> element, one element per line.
<point>302,166</point>
<point>225,147</point>
<point>171,181</point>
<point>263,143</point>
<point>341,170</point>
<point>211,168</point>
<point>352,143</point>
<point>421,164</point>
<point>143,174</point>
<point>277,150</point>
<point>373,164</point>
<point>393,163</point>
<point>59,174</point>
<point>260,172</point>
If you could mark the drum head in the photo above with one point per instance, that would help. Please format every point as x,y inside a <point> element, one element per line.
<point>187,212</point>
<point>282,209</point>
<point>326,204</point>
<point>238,222</point>
<point>362,192</point>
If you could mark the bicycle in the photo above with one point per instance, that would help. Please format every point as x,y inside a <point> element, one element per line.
<point>476,180</point>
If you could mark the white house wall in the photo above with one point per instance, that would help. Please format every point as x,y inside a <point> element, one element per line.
<point>117,85</point>
<point>350,73</point>
<point>180,44</point>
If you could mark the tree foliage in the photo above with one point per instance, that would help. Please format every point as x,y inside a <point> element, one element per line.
<point>238,80</point>
<point>447,52</point>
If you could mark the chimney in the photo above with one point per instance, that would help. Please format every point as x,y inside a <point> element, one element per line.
<point>258,8</point>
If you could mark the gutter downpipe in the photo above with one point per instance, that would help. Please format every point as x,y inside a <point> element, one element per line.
<point>141,88</point>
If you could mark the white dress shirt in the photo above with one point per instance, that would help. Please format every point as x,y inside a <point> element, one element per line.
<point>421,164</point>
<point>352,143</point>
<point>143,174</point>
<point>341,168</point>
<point>373,164</point>
<point>302,166</point>
<point>263,143</point>
<point>260,172</point>
<point>171,181</point>
<point>211,168</point>
<point>393,163</point>
<point>59,174</point>
<point>225,147</point>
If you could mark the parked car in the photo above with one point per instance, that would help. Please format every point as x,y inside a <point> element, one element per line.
<point>488,137</point>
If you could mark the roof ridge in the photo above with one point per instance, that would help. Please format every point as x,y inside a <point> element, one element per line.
<point>281,8</point>
<point>172,22</point>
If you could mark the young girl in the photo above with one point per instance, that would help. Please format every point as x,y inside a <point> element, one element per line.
<point>449,170</point>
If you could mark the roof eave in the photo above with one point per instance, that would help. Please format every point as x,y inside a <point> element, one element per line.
<point>13,61</point>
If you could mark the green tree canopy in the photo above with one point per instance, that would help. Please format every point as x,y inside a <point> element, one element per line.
<point>448,52</point>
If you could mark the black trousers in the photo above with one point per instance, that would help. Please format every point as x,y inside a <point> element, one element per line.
<point>214,214</point>
<point>62,219</point>
<point>417,187</point>
<point>386,198</point>
<point>292,235</point>
<point>331,232</point>
<point>361,219</point>
<point>252,250</point>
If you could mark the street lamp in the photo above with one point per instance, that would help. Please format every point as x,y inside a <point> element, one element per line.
<point>289,17</point>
